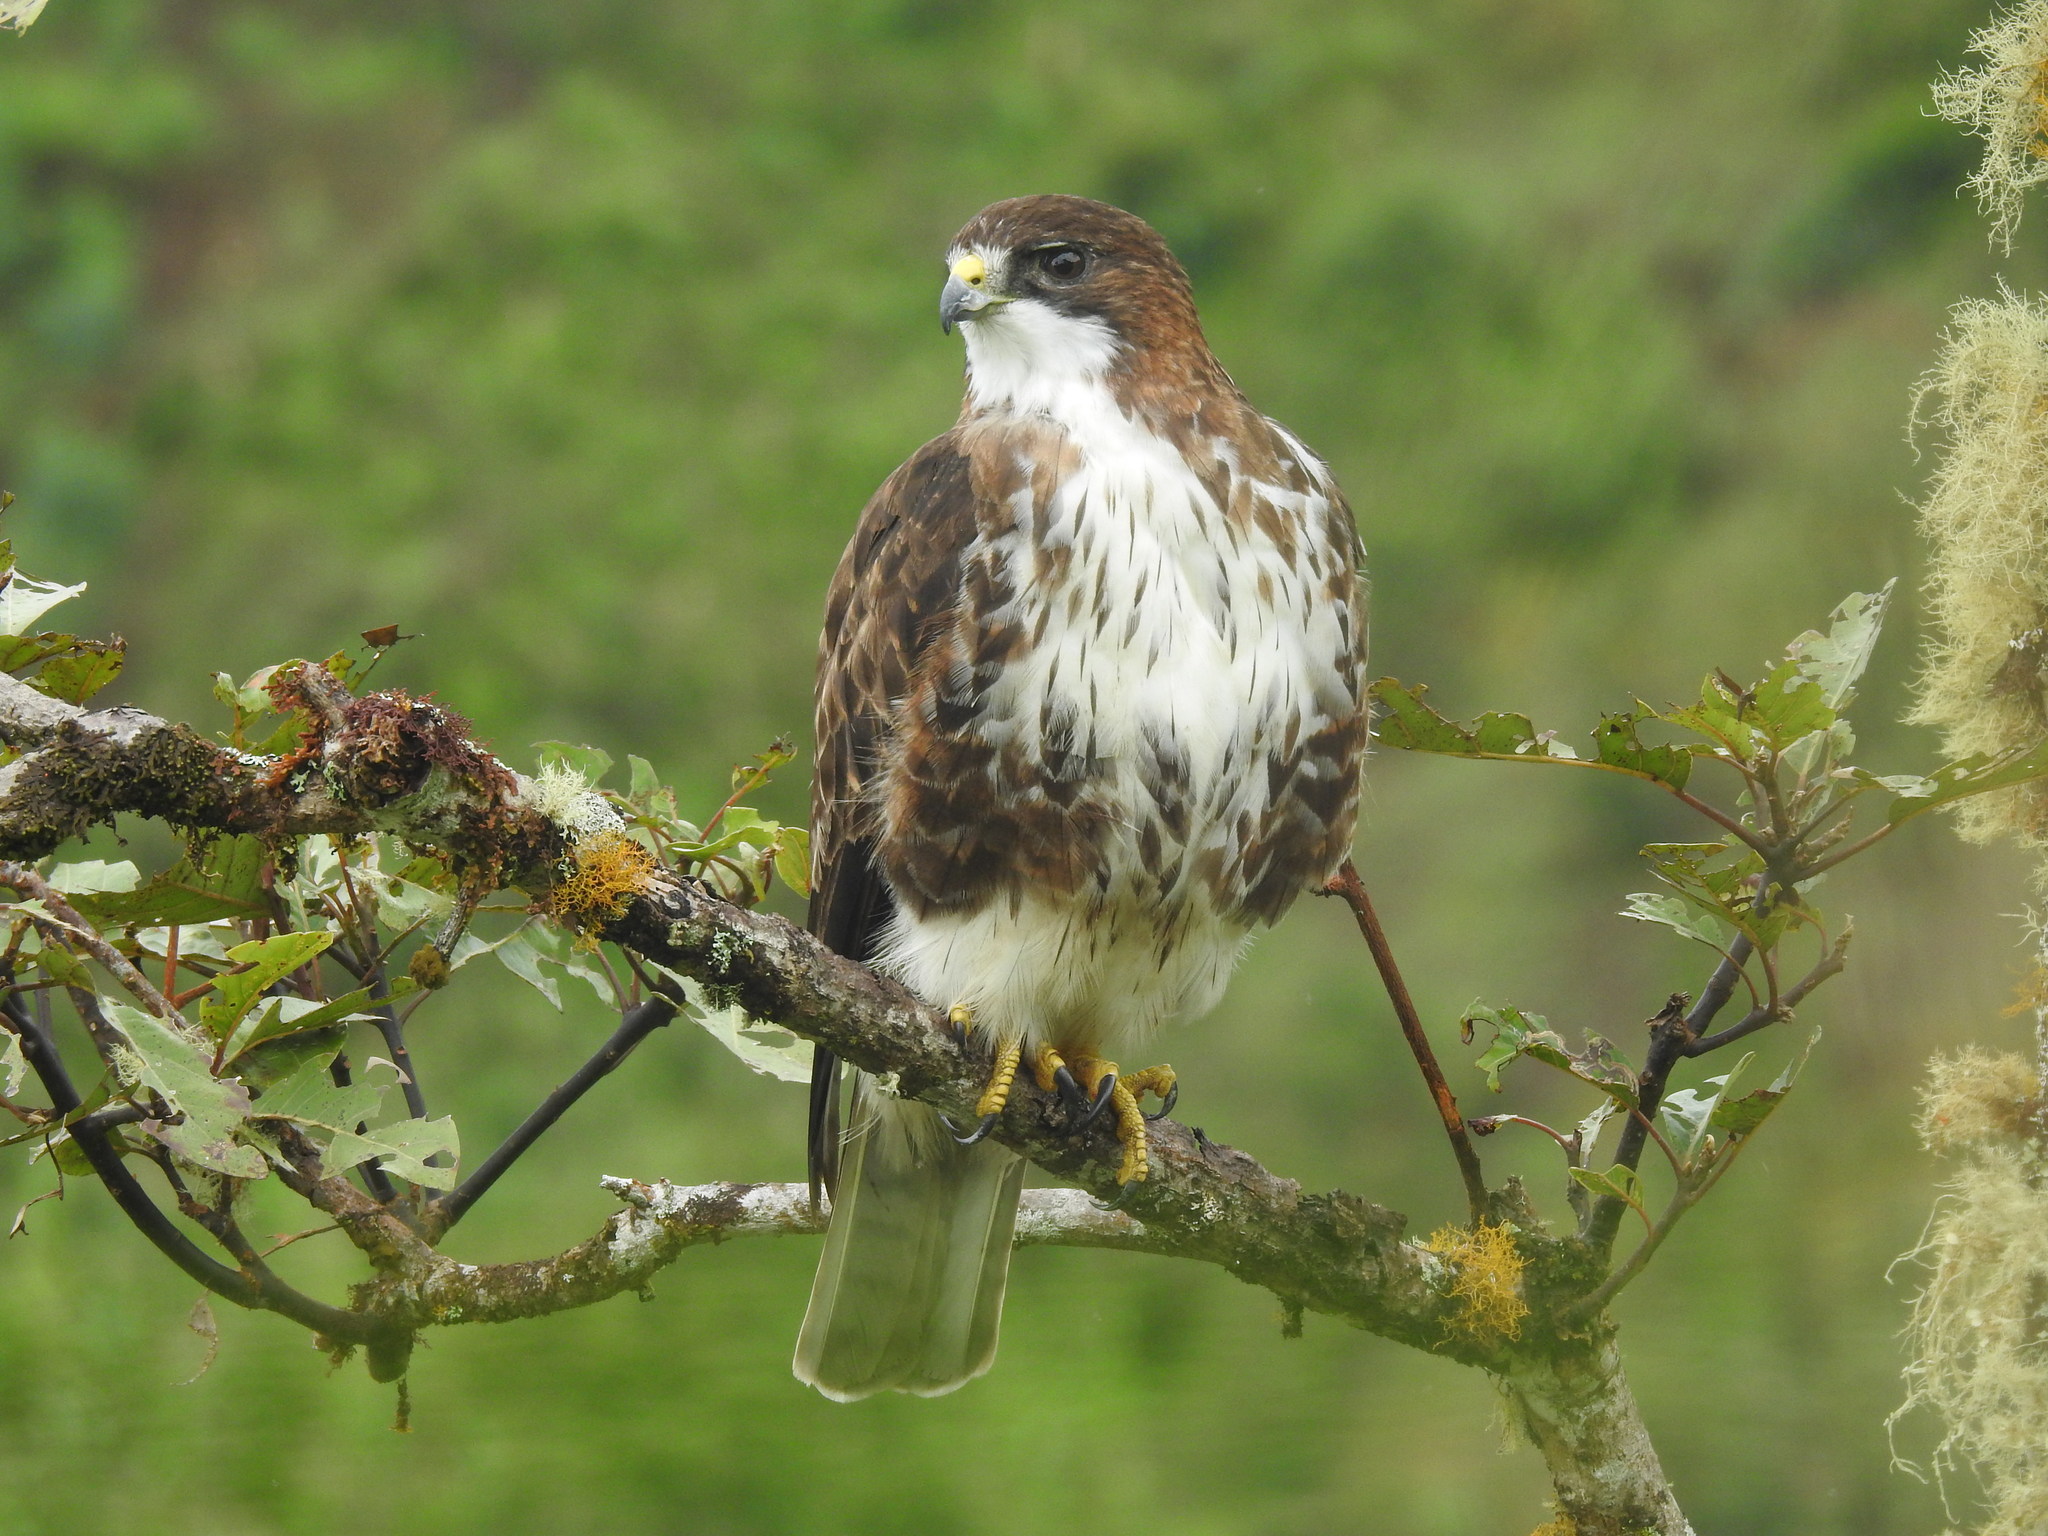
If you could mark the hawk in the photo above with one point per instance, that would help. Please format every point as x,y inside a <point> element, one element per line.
<point>1090,710</point>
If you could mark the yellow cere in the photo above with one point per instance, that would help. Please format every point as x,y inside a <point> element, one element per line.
<point>970,269</point>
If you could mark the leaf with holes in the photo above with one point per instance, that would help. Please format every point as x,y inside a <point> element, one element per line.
<point>400,1149</point>
<point>213,1108</point>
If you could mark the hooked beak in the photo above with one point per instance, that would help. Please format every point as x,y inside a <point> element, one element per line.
<point>965,294</point>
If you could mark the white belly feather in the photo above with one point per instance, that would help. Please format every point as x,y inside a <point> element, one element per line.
<point>1173,631</point>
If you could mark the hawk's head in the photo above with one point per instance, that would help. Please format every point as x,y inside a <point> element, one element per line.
<point>1055,290</point>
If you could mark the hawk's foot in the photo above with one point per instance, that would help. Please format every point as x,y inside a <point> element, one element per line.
<point>989,1107</point>
<point>1121,1096</point>
<point>1160,1080</point>
<point>1049,1069</point>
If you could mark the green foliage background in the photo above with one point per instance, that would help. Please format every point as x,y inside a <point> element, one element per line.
<point>574,336</point>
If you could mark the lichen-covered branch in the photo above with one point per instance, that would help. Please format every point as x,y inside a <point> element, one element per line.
<point>407,768</point>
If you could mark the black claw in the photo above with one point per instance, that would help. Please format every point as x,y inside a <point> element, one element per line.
<point>1070,1091</point>
<point>1166,1104</point>
<point>1121,1196</point>
<point>1096,1106</point>
<point>980,1132</point>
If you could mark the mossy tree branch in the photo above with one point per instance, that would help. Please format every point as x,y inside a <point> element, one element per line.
<point>387,764</point>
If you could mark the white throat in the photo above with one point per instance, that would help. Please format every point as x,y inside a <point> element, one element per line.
<point>1027,358</point>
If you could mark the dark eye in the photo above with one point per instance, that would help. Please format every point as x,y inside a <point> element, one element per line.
<point>1062,263</point>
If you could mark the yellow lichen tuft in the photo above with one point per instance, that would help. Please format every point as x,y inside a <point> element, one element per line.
<point>1976,1328</point>
<point>1557,1525</point>
<point>1987,524</point>
<point>2004,101</point>
<point>1486,1277</point>
<point>609,870</point>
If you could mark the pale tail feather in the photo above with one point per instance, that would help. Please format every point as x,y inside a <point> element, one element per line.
<point>909,1292</point>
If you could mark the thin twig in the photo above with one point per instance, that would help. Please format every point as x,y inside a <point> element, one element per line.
<point>636,1026</point>
<point>1831,964</point>
<point>1352,889</point>
<point>258,1289</point>
<point>81,933</point>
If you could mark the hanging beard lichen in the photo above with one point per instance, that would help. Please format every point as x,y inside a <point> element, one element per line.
<point>1979,1330</point>
<point>1987,524</point>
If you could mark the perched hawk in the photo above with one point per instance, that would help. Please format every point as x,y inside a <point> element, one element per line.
<point>1090,709</point>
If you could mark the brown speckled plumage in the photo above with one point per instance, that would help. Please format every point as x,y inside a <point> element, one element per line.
<point>1090,691</point>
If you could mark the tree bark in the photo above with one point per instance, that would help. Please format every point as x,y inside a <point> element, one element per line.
<point>1578,1411</point>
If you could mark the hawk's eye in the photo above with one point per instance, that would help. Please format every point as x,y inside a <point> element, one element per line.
<point>1062,263</point>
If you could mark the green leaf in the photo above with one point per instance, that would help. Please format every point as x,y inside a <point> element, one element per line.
<point>227,884</point>
<point>19,651</point>
<point>13,1068</point>
<point>402,902</point>
<point>1409,723</point>
<point>1619,1181</point>
<point>291,1015</point>
<point>793,859</point>
<point>269,961</point>
<point>592,762</point>
<point>309,1097</point>
<point>1736,1118</point>
<point>176,1066</point>
<point>1835,660</point>
<point>1516,1033</point>
<point>1619,747</point>
<point>24,600</point>
<point>76,678</point>
<point>1789,706</point>
<point>762,1046</point>
<point>92,877</point>
<point>1956,781</point>
<point>61,966</point>
<point>401,1150</point>
<point>519,956</point>
<point>1677,914</point>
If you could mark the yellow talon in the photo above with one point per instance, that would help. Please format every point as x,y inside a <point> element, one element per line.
<point>1045,1061</point>
<point>1130,1130</point>
<point>997,1093</point>
<point>1159,1080</point>
<point>961,1017</point>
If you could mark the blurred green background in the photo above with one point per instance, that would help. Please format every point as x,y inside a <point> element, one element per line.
<point>574,336</point>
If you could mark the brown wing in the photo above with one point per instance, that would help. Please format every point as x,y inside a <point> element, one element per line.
<point>896,587</point>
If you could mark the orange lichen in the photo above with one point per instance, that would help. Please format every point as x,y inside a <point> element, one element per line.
<point>1486,1278</point>
<point>607,871</point>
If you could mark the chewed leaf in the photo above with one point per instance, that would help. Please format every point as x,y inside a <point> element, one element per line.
<point>1675,913</point>
<point>1738,1117</point>
<point>1956,781</point>
<point>1837,659</point>
<point>1409,723</point>
<point>92,877</point>
<point>13,1069</point>
<point>401,1150</point>
<point>77,677</point>
<point>1516,1033</point>
<point>310,1097</point>
<point>213,1108</point>
<point>25,600</point>
<point>764,1047</point>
